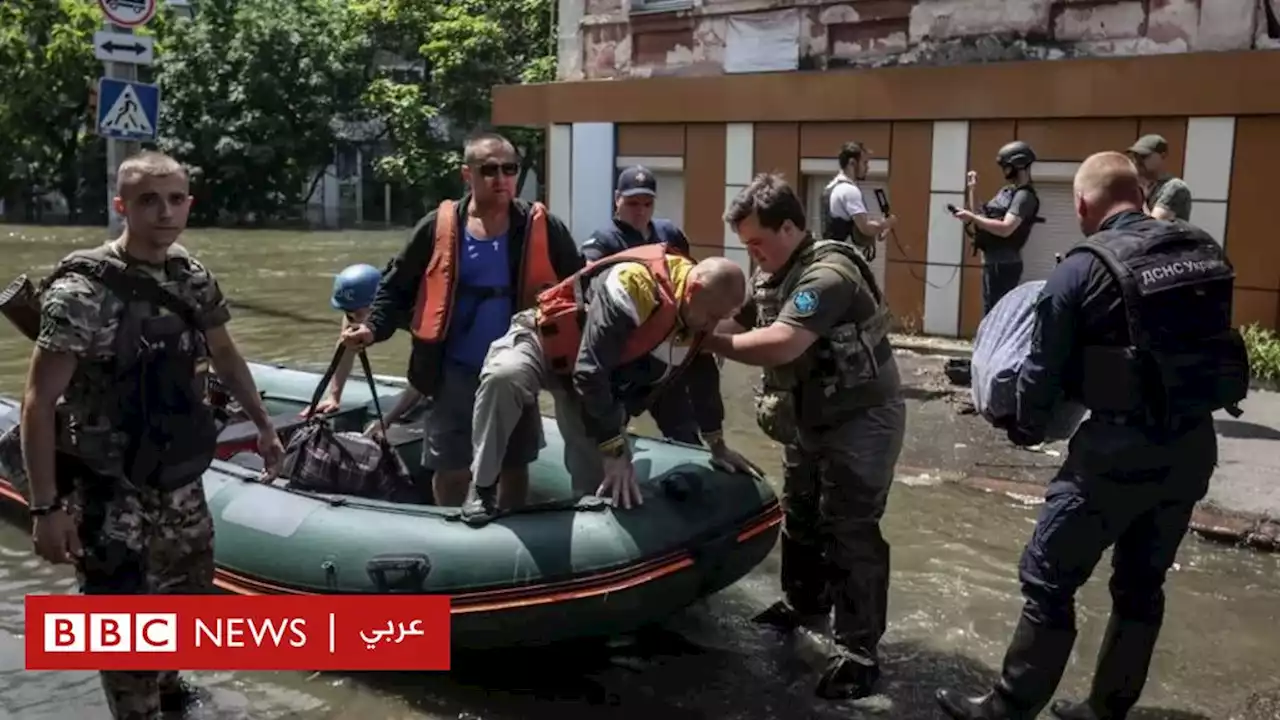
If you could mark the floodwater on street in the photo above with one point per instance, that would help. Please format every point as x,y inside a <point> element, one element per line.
<point>954,593</point>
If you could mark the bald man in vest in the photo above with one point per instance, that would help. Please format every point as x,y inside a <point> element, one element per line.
<point>603,342</point>
<point>468,267</point>
<point>1134,324</point>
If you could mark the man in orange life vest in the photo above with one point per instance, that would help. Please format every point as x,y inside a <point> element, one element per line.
<point>623,328</point>
<point>468,267</point>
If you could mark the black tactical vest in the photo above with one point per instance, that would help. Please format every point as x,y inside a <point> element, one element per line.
<point>842,229</point>
<point>995,209</point>
<point>1184,359</point>
<point>160,365</point>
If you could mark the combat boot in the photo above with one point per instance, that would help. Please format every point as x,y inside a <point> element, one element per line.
<point>1033,666</point>
<point>1123,662</point>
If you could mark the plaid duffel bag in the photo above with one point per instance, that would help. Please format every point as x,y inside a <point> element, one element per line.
<point>320,460</point>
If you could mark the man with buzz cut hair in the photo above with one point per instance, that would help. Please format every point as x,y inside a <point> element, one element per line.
<point>127,333</point>
<point>1135,324</point>
<point>469,266</point>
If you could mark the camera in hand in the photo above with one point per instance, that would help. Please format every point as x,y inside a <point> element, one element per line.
<point>952,209</point>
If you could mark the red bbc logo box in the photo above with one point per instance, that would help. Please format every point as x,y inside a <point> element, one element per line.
<point>111,632</point>
<point>230,632</point>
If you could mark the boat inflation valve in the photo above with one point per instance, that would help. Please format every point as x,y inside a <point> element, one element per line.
<point>399,573</point>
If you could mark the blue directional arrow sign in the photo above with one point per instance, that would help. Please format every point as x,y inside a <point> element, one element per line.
<point>128,110</point>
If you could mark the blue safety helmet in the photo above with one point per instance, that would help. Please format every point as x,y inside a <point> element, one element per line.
<point>355,287</point>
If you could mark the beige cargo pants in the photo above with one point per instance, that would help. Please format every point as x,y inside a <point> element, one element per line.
<point>514,372</point>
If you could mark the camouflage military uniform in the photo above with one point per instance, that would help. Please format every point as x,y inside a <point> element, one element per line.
<point>136,540</point>
<point>1172,194</point>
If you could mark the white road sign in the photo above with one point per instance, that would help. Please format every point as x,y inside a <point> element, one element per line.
<point>123,48</point>
<point>129,13</point>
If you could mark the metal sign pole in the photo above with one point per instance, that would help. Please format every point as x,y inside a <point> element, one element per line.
<point>127,110</point>
<point>117,150</point>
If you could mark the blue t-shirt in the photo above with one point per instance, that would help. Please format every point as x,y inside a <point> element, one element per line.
<point>479,317</point>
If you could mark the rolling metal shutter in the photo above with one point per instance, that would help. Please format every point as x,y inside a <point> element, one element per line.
<point>1057,234</point>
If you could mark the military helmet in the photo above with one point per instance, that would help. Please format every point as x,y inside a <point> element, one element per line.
<point>1016,154</point>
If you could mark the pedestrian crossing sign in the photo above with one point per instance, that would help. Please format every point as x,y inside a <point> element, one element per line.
<point>128,110</point>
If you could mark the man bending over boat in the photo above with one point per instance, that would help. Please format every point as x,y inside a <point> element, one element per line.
<point>625,327</point>
<point>469,266</point>
<point>127,333</point>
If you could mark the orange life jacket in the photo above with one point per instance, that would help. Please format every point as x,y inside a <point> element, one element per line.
<point>562,309</point>
<point>433,307</point>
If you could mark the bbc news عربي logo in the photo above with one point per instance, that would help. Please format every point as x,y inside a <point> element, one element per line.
<point>222,632</point>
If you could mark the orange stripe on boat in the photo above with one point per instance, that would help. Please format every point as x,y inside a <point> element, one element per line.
<point>603,583</point>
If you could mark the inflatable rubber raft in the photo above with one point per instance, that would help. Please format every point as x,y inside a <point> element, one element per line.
<point>560,569</point>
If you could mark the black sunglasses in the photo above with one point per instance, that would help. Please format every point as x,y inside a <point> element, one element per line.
<point>489,170</point>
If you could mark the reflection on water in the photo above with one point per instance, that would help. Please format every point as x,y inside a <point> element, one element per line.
<point>954,601</point>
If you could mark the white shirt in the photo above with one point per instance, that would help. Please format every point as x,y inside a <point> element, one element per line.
<point>846,199</point>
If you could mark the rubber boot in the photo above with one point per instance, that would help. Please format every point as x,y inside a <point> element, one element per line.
<point>848,677</point>
<point>1033,666</point>
<point>1123,662</point>
<point>782,617</point>
<point>181,696</point>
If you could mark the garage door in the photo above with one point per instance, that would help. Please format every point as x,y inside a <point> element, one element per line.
<point>817,183</point>
<point>670,201</point>
<point>1057,234</point>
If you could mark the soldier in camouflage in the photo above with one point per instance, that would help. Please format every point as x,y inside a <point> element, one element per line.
<point>831,394</point>
<point>1167,197</point>
<point>115,430</point>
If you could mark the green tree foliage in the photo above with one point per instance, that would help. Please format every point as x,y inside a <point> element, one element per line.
<point>48,70</point>
<point>251,93</point>
<point>465,47</point>
<point>254,93</point>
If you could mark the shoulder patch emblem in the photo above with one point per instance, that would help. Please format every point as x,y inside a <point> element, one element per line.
<point>805,302</point>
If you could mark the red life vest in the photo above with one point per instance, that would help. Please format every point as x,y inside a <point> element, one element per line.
<point>434,304</point>
<point>561,310</point>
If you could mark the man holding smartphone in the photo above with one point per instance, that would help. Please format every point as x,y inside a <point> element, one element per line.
<point>843,209</point>
<point>1002,225</point>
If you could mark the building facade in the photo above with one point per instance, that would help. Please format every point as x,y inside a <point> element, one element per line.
<point>709,92</point>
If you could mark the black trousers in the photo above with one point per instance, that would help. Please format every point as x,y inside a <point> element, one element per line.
<point>833,553</point>
<point>672,411</point>
<point>1118,487</point>
<point>997,280</point>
